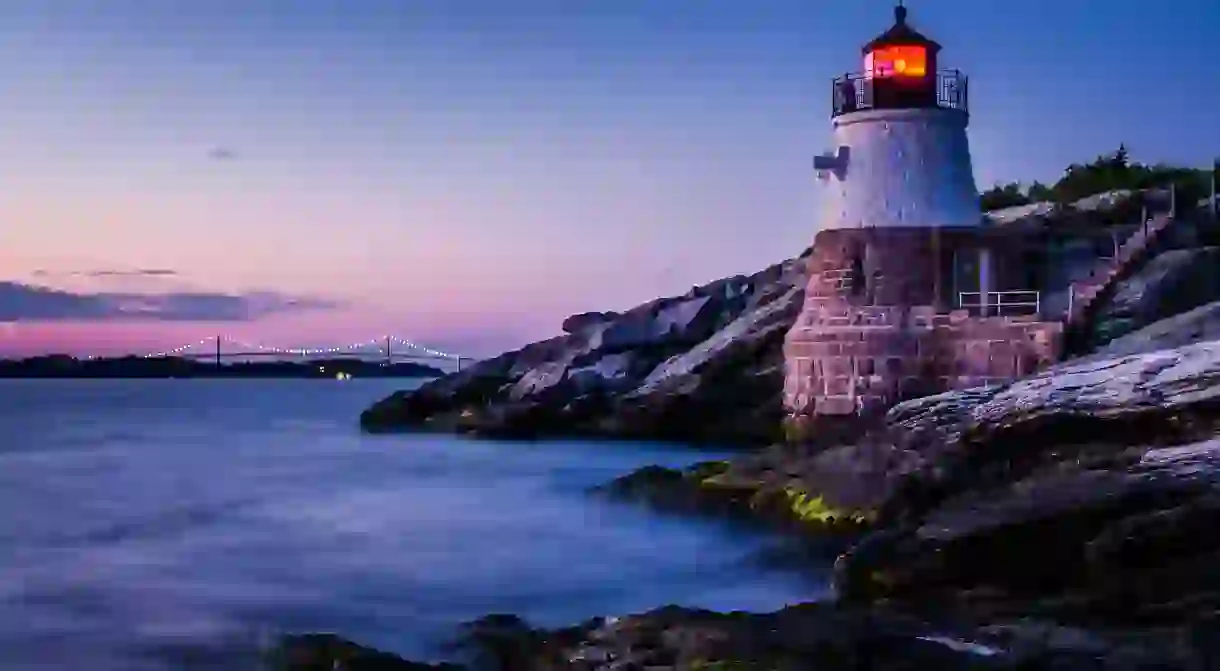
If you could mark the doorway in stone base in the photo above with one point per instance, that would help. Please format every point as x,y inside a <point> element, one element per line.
<point>965,275</point>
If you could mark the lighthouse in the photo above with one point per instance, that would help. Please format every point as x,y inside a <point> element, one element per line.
<point>901,155</point>
<point>910,292</point>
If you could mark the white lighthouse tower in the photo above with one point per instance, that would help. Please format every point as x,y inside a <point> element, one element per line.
<point>901,157</point>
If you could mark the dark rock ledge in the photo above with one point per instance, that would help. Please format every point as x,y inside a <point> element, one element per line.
<point>815,636</point>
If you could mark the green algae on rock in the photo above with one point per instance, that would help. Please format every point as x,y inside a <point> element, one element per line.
<point>712,487</point>
<point>808,508</point>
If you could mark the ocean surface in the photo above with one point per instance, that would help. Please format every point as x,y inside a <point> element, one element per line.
<point>181,524</point>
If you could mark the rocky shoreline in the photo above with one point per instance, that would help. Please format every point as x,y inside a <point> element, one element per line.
<point>706,367</point>
<point>1062,521</point>
<point>809,636</point>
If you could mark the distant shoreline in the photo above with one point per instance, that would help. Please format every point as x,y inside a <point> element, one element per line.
<point>220,376</point>
<point>67,367</point>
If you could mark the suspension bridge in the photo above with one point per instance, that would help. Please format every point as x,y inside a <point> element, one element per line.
<point>384,349</point>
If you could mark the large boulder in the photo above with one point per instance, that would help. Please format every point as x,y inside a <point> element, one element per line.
<point>1199,324</point>
<point>580,322</point>
<point>727,387</point>
<point>1170,283</point>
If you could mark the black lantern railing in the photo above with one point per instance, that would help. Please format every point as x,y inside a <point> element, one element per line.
<point>947,89</point>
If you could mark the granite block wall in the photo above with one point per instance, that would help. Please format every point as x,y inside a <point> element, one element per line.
<point>875,329</point>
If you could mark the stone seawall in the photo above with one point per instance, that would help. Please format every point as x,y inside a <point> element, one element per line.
<point>848,360</point>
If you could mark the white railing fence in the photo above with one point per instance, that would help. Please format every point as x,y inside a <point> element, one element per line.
<point>1000,303</point>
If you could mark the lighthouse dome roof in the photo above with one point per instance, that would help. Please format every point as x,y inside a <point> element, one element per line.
<point>901,33</point>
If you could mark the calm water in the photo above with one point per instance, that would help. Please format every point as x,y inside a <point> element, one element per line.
<point>173,524</point>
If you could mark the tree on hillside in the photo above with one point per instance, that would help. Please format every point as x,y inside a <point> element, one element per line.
<point>1014,194</point>
<point>1108,172</point>
<point>1111,172</point>
<point>1039,192</point>
<point>1001,196</point>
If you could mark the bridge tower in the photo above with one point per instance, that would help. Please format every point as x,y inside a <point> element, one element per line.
<point>217,352</point>
<point>1213,204</point>
<point>901,239</point>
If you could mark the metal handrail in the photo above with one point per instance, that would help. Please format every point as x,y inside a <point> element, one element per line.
<point>854,92</point>
<point>999,301</point>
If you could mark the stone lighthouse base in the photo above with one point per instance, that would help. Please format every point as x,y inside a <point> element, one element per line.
<point>872,332</point>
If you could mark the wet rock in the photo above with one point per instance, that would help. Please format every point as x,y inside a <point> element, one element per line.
<point>822,636</point>
<point>505,641</point>
<point>680,490</point>
<point>327,652</point>
<point>709,488</point>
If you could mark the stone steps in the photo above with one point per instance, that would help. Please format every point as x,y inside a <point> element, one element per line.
<point>1130,254</point>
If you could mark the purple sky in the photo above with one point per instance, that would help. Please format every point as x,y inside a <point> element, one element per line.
<point>465,173</point>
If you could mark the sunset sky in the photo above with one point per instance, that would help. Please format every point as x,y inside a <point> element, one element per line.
<point>466,173</point>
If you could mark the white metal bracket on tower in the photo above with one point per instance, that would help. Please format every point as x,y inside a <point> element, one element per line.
<point>832,164</point>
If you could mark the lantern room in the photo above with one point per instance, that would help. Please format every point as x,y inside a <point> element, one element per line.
<point>901,52</point>
<point>897,61</point>
<point>900,71</point>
